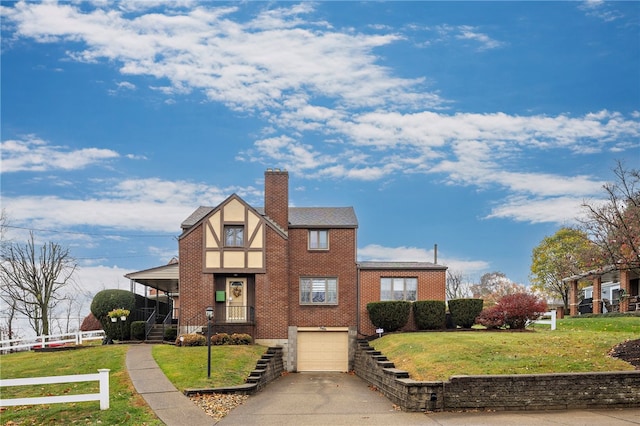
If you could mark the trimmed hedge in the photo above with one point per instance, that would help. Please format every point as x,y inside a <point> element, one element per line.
<point>465,311</point>
<point>108,300</point>
<point>217,339</point>
<point>138,329</point>
<point>390,316</point>
<point>429,314</point>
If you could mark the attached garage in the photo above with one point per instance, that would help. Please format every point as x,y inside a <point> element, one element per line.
<point>323,349</point>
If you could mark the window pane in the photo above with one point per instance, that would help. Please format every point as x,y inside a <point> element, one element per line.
<point>411,288</point>
<point>305,291</point>
<point>234,236</point>
<point>318,239</point>
<point>319,290</point>
<point>332,291</point>
<point>398,289</point>
<point>385,288</point>
<point>322,239</point>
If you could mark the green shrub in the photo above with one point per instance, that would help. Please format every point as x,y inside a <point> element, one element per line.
<point>191,339</point>
<point>170,334</point>
<point>240,339</point>
<point>138,330</point>
<point>108,300</point>
<point>429,314</point>
<point>465,311</point>
<point>390,316</point>
<point>220,339</point>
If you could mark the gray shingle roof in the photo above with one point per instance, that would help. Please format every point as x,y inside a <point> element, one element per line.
<point>330,217</point>
<point>399,265</point>
<point>303,217</point>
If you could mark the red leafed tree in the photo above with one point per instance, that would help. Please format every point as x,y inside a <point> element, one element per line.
<point>513,311</point>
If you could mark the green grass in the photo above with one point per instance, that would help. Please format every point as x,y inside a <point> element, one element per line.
<point>126,406</point>
<point>186,367</point>
<point>578,345</point>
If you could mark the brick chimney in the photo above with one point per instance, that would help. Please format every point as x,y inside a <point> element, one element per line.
<point>276,196</point>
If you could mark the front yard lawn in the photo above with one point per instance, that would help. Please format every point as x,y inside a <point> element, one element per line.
<point>578,345</point>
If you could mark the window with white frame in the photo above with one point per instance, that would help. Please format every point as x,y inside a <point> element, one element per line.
<point>399,289</point>
<point>234,236</point>
<point>318,239</point>
<point>318,291</point>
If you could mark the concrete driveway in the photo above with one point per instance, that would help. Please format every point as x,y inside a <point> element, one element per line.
<point>345,399</point>
<point>319,399</point>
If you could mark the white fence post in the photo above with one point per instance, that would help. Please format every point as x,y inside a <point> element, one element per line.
<point>551,322</point>
<point>104,388</point>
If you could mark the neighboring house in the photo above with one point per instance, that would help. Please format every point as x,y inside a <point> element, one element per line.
<point>613,289</point>
<point>287,276</point>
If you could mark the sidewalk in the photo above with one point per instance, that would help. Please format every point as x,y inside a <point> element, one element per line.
<point>169,404</point>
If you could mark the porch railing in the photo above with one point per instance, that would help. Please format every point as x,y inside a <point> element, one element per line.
<point>149,324</point>
<point>224,315</point>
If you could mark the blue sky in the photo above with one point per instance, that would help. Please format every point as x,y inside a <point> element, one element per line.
<point>480,127</point>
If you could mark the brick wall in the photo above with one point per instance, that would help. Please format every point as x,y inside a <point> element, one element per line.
<point>196,288</point>
<point>499,393</point>
<point>272,293</point>
<point>339,261</point>
<point>431,286</point>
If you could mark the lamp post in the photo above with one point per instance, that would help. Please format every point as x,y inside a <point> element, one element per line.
<point>209,312</point>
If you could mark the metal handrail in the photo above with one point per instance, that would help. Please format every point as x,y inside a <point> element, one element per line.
<point>149,324</point>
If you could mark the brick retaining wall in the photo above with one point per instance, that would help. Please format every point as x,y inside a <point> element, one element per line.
<point>498,392</point>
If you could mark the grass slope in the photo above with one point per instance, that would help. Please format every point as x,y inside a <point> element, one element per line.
<point>578,345</point>
<point>185,367</point>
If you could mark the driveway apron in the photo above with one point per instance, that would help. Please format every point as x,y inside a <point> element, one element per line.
<point>320,399</point>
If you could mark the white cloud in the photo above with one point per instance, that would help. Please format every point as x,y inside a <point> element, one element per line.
<point>372,122</point>
<point>36,155</point>
<point>375,252</point>
<point>562,210</point>
<point>471,33</point>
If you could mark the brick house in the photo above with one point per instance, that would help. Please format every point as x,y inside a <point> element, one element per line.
<point>287,276</point>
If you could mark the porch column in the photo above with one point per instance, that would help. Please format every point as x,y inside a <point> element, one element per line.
<point>597,294</point>
<point>625,286</point>
<point>573,298</point>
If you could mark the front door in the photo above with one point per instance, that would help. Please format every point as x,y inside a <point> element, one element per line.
<point>237,299</point>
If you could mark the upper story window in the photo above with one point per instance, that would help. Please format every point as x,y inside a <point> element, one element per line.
<point>399,289</point>
<point>318,239</point>
<point>234,235</point>
<point>318,291</point>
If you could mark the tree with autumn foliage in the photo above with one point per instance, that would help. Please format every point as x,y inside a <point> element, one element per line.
<point>565,253</point>
<point>614,225</point>
<point>493,286</point>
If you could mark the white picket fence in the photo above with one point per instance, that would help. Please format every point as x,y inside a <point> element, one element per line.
<point>551,321</point>
<point>77,337</point>
<point>103,396</point>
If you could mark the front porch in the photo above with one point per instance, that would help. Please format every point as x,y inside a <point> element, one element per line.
<point>613,289</point>
<point>226,319</point>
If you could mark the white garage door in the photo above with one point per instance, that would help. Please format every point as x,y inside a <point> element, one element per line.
<point>323,351</point>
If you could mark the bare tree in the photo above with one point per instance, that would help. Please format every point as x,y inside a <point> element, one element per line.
<point>614,226</point>
<point>33,278</point>
<point>457,286</point>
